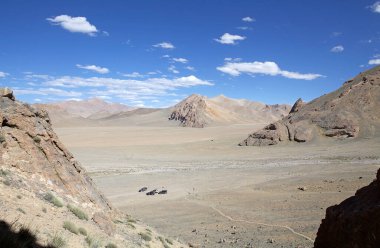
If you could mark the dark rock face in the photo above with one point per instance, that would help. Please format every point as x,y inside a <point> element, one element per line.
<point>29,144</point>
<point>347,112</point>
<point>354,223</point>
<point>297,106</point>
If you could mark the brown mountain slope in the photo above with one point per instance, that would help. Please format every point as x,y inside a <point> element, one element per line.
<point>44,189</point>
<point>200,111</point>
<point>91,109</point>
<point>349,112</point>
<point>353,223</point>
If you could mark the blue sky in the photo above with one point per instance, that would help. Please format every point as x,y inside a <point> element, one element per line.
<point>155,52</point>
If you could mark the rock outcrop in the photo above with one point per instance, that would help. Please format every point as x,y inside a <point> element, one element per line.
<point>191,112</point>
<point>41,183</point>
<point>200,111</point>
<point>353,223</point>
<point>348,112</point>
<point>29,144</point>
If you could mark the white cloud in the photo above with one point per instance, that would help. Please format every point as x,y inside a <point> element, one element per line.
<point>74,24</point>
<point>229,39</point>
<point>337,49</point>
<point>95,68</point>
<point>374,62</point>
<point>248,19</point>
<point>165,45</point>
<point>133,75</point>
<point>336,34</point>
<point>244,28</point>
<point>173,69</point>
<point>190,68</point>
<point>233,59</point>
<point>266,68</point>
<point>125,89</point>
<point>3,74</point>
<point>47,92</point>
<point>180,60</point>
<point>376,7</point>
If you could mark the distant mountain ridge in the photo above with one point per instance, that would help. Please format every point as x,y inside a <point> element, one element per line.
<point>194,111</point>
<point>200,111</point>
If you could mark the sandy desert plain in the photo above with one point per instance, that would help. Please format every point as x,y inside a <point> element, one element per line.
<point>221,194</point>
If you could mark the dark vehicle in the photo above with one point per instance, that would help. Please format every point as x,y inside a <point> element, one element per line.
<point>143,189</point>
<point>153,192</point>
<point>163,192</point>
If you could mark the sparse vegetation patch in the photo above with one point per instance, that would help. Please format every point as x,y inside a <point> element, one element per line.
<point>58,242</point>
<point>78,212</point>
<point>145,236</point>
<point>69,226</point>
<point>53,200</point>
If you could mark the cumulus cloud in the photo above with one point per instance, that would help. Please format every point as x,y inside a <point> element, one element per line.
<point>229,39</point>
<point>47,92</point>
<point>374,62</point>
<point>173,69</point>
<point>124,89</point>
<point>337,49</point>
<point>248,19</point>
<point>133,75</point>
<point>180,60</point>
<point>74,24</point>
<point>94,68</point>
<point>376,7</point>
<point>3,74</point>
<point>266,68</point>
<point>165,45</point>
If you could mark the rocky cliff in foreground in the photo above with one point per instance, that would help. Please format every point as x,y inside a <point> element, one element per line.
<point>353,223</point>
<point>199,111</point>
<point>349,112</point>
<point>44,189</point>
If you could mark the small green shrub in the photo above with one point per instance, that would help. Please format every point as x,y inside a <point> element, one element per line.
<point>7,182</point>
<point>69,226</point>
<point>145,236</point>
<point>78,212</point>
<point>131,225</point>
<point>53,200</point>
<point>2,138</point>
<point>148,230</point>
<point>4,173</point>
<point>166,246</point>
<point>58,242</point>
<point>44,210</point>
<point>169,241</point>
<point>37,139</point>
<point>111,245</point>
<point>21,210</point>
<point>19,196</point>
<point>82,231</point>
<point>92,242</point>
<point>132,221</point>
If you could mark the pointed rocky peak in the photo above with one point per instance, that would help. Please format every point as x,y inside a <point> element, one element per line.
<point>297,106</point>
<point>6,92</point>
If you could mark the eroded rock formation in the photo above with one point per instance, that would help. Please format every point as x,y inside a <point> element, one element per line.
<point>348,112</point>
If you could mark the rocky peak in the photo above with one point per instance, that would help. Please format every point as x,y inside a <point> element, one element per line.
<point>297,106</point>
<point>6,92</point>
<point>190,112</point>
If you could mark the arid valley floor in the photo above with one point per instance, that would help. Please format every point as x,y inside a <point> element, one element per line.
<point>221,194</point>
